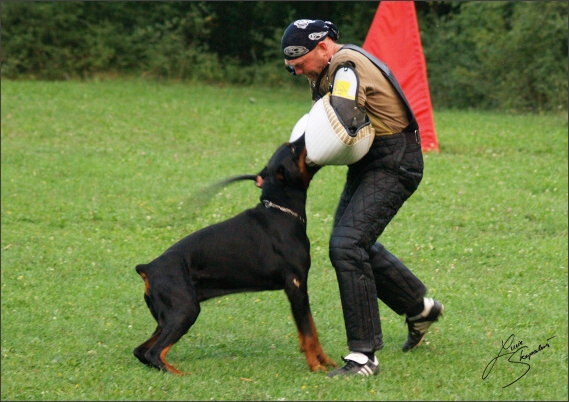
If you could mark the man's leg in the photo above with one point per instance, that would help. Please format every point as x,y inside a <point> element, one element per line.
<point>404,293</point>
<point>396,285</point>
<point>368,203</point>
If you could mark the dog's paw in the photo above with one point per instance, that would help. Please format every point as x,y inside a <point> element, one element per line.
<point>318,368</point>
<point>326,361</point>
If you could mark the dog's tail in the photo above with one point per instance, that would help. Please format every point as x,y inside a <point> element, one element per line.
<point>210,190</point>
<point>220,184</point>
<point>202,197</point>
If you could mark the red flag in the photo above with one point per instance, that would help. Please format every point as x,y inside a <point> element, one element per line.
<point>394,39</point>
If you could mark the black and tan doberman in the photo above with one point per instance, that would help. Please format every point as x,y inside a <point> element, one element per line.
<point>262,248</point>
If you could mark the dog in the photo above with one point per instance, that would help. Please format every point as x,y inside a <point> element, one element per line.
<point>262,248</point>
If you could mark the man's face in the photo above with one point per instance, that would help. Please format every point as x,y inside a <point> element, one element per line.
<point>310,65</point>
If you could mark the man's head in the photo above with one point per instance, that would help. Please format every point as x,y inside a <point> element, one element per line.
<point>308,45</point>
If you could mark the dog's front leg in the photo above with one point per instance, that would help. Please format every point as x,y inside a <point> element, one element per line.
<point>307,334</point>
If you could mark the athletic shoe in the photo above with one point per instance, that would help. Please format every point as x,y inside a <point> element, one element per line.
<point>356,364</point>
<point>419,325</point>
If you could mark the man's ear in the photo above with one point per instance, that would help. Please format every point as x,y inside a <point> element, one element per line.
<point>322,46</point>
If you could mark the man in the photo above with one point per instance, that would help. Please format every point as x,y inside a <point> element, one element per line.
<point>379,181</point>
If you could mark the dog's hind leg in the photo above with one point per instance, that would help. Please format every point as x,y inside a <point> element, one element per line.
<point>307,334</point>
<point>174,326</point>
<point>141,350</point>
<point>178,310</point>
<point>141,269</point>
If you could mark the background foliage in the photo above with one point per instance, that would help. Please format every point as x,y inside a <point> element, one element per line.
<point>505,55</point>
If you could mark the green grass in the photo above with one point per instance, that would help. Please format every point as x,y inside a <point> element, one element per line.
<point>99,177</point>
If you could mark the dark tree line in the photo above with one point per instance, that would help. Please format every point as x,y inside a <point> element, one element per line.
<point>509,55</point>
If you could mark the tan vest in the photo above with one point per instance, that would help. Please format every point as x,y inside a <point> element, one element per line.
<point>383,105</point>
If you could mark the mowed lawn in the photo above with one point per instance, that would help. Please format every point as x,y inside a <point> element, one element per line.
<point>98,177</point>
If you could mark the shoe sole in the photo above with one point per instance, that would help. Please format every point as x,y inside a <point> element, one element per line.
<point>426,332</point>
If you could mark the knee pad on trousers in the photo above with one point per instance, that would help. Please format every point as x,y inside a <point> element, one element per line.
<point>347,255</point>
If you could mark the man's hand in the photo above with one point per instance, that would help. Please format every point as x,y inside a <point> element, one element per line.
<point>259,182</point>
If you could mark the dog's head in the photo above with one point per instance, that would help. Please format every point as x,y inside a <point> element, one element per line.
<point>287,167</point>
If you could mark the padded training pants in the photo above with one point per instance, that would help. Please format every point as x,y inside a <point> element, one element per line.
<point>375,189</point>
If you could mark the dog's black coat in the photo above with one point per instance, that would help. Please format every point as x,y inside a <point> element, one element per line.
<point>262,248</point>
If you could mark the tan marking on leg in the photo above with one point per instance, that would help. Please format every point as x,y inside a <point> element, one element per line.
<point>167,366</point>
<point>316,358</point>
<point>315,355</point>
<point>301,341</point>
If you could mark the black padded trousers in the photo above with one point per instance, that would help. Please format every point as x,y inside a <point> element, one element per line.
<point>375,189</point>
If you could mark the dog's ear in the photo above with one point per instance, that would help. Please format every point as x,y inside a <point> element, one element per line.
<point>306,172</point>
<point>298,145</point>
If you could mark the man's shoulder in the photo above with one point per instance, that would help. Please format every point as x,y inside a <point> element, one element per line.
<point>348,54</point>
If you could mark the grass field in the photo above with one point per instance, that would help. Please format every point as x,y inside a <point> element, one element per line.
<point>100,176</point>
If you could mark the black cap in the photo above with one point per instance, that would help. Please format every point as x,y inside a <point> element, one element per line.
<point>302,36</point>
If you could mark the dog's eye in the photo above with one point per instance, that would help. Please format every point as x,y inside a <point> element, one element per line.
<point>281,174</point>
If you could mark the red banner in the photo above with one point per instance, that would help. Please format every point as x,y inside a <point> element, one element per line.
<point>394,39</point>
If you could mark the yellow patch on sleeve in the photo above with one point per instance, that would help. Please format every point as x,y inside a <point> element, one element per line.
<point>342,88</point>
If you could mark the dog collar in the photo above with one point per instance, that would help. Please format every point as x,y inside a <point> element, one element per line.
<point>269,204</point>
